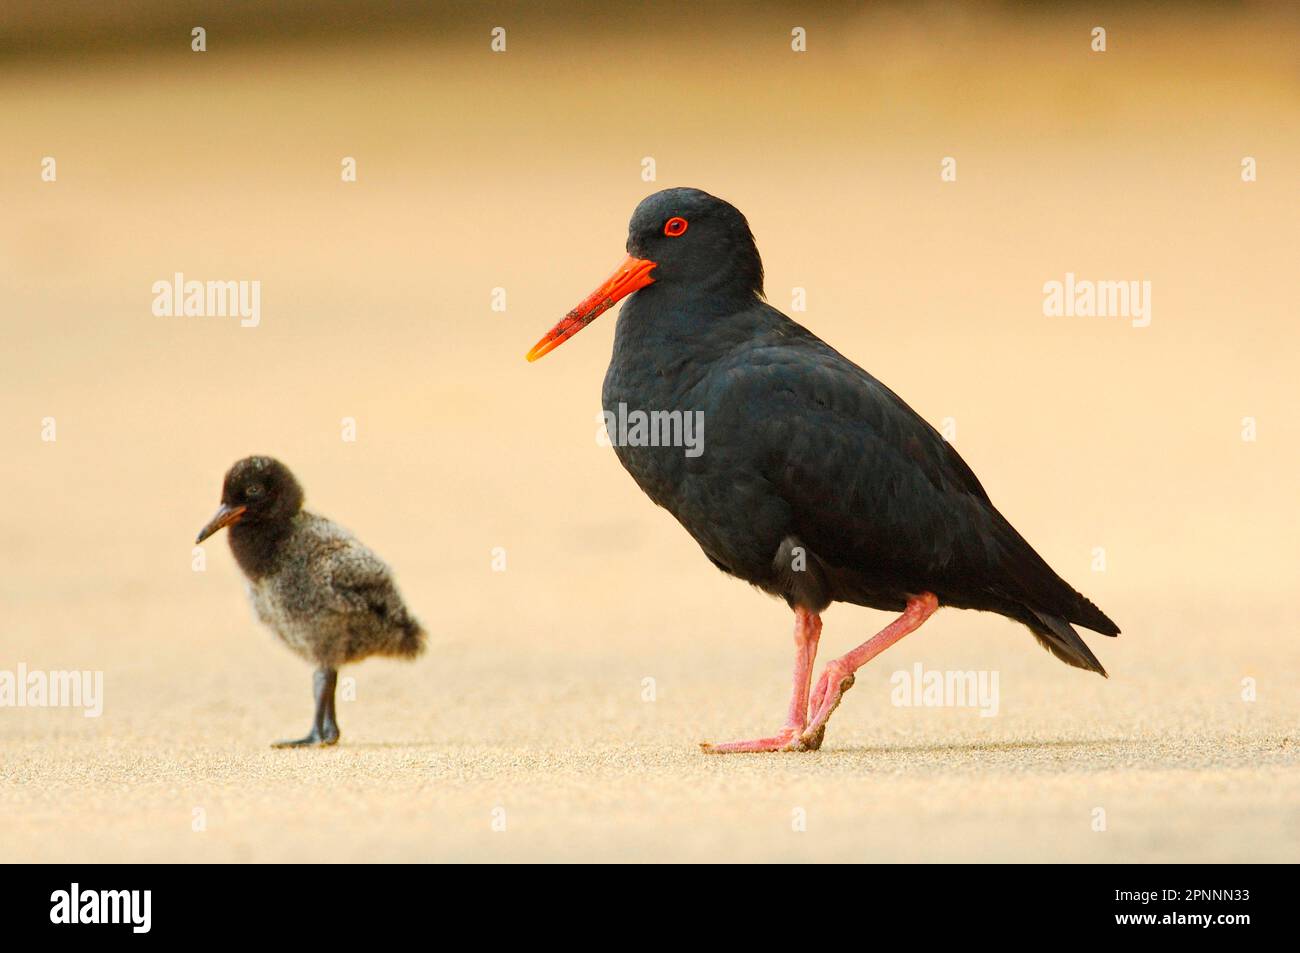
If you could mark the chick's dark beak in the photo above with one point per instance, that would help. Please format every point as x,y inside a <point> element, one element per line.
<point>226,515</point>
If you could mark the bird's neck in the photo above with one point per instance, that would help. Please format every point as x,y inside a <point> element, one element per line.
<point>661,331</point>
<point>257,544</point>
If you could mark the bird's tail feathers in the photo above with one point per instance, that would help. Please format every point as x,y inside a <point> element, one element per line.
<point>1058,637</point>
<point>1038,585</point>
<point>411,641</point>
<point>1090,617</point>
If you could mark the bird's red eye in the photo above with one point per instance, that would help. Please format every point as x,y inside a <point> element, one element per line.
<point>674,226</point>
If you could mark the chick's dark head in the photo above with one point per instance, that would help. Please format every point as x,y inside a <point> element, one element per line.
<point>255,490</point>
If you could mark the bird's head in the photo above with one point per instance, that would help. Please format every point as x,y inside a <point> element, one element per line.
<point>680,240</point>
<point>256,490</point>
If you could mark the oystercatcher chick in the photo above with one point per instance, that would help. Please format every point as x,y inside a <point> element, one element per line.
<point>326,596</point>
<point>815,482</point>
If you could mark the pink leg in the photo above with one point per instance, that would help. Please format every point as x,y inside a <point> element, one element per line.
<point>838,675</point>
<point>807,630</point>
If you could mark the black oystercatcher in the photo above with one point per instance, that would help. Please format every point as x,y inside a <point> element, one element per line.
<point>325,595</point>
<point>816,483</point>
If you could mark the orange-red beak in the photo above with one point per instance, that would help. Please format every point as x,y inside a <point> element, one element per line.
<point>634,273</point>
<point>225,516</point>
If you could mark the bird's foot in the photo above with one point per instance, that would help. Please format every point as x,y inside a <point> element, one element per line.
<point>812,740</point>
<point>826,697</point>
<point>787,739</point>
<point>317,739</point>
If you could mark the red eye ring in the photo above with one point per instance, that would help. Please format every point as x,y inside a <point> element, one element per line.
<point>675,226</point>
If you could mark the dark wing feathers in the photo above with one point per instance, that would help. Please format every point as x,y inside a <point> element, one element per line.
<point>359,582</point>
<point>871,485</point>
<point>358,579</point>
<point>868,482</point>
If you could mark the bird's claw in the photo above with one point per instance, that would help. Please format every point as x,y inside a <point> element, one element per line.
<point>313,740</point>
<point>791,738</point>
<point>787,739</point>
<point>812,740</point>
<point>824,704</point>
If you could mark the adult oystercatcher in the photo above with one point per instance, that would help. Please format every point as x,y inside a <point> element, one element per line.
<point>816,482</point>
<point>311,582</point>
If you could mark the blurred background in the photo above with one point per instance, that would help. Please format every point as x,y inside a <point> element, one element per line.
<point>479,170</point>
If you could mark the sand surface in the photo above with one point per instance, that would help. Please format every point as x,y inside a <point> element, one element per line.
<point>528,731</point>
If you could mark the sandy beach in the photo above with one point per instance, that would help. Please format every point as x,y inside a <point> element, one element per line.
<point>557,713</point>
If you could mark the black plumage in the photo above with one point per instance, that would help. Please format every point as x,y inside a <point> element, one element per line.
<point>804,452</point>
<point>327,597</point>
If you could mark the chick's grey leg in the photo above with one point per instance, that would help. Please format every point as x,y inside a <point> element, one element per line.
<point>324,728</point>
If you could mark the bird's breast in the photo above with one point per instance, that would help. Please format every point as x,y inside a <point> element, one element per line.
<point>659,426</point>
